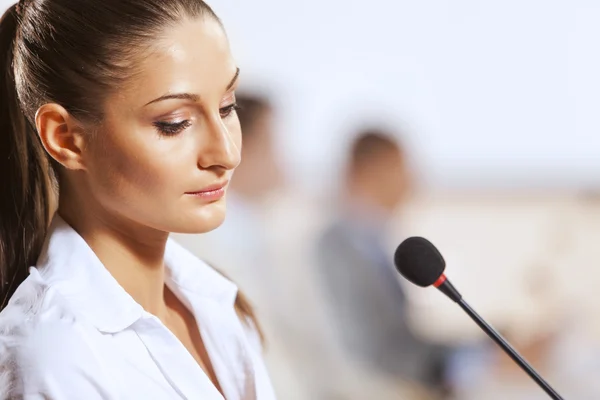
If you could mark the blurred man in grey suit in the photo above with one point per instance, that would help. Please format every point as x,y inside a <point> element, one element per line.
<point>367,303</point>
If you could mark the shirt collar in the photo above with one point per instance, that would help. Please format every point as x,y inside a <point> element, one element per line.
<point>69,264</point>
<point>195,278</point>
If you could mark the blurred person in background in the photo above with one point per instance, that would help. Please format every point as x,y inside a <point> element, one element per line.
<point>241,246</point>
<point>367,303</point>
<point>255,179</point>
<point>258,176</point>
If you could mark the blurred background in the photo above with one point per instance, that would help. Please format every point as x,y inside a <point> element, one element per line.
<point>468,122</point>
<point>471,123</point>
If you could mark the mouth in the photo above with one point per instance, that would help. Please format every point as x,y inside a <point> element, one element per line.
<point>210,193</point>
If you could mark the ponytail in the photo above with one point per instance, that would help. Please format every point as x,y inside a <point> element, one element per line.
<point>245,311</point>
<point>25,174</point>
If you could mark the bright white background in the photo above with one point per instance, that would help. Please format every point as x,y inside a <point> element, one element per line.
<point>489,93</point>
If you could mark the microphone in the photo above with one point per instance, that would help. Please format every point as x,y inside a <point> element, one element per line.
<point>421,263</point>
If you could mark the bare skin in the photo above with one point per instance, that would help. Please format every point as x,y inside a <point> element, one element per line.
<point>126,187</point>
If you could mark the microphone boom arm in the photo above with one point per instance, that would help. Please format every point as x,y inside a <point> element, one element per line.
<point>500,341</point>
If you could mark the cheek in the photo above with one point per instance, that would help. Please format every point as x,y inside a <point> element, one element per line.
<point>133,172</point>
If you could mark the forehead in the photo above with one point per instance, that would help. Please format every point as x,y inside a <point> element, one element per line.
<point>190,56</point>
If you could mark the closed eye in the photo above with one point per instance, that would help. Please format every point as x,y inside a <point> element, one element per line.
<point>228,110</point>
<point>171,128</point>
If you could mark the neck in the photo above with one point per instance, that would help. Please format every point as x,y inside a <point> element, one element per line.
<point>368,200</point>
<point>132,253</point>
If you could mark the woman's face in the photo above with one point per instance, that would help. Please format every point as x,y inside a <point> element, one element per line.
<point>171,139</point>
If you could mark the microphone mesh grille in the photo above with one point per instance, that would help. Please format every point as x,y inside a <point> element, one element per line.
<point>419,261</point>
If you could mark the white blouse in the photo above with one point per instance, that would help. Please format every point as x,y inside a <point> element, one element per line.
<point>72,332</point>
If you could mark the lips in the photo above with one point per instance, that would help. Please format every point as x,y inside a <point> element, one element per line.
<point>209,189</point>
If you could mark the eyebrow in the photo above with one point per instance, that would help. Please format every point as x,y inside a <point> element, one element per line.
<point>191,96</point>
<point>234,79</point>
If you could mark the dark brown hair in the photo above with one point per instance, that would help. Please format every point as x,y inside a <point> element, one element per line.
<point>370,144</point>
<point>73,53</point>
<point>251,108</point>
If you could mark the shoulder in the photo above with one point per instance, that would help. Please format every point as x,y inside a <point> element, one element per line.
<point>43,346</point>
<point>338,233</point>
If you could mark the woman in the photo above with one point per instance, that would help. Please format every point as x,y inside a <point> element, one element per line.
<point>124,112</point>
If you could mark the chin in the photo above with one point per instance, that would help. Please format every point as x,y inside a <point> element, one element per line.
<point>203,219</point>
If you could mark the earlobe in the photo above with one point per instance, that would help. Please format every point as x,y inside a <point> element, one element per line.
<point>61,135</point>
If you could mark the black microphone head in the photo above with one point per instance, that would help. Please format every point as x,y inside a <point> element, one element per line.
<point>419,261</point>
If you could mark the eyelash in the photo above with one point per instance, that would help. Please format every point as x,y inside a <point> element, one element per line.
<point>173,128</point>
<point>228,110</point>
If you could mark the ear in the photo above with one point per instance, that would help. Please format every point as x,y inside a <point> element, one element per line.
<point>61,135</point>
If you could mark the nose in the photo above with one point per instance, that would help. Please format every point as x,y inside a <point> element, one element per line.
<point>220,147</point>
